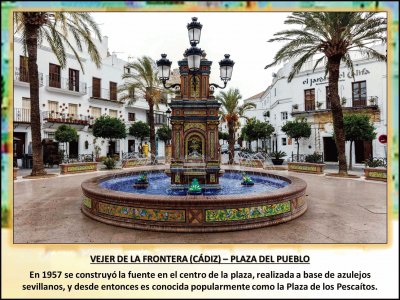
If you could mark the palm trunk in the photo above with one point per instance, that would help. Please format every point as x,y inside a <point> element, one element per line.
<point>152,131</point>
<point>351,156</point>
<point>37,151</point>
<point>231,142</point>
<point>298,148</point>
<point>337,113</point>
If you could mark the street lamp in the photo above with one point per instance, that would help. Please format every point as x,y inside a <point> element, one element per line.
<point>168,112</point>
<point>194,55</point>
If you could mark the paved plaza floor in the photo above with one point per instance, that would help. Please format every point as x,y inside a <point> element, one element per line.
<point>339,211</point>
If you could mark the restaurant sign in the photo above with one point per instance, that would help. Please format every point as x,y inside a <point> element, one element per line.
<point>342,76</point>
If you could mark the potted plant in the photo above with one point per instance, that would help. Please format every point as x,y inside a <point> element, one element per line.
<point>319,104</point>
<point>277,157</point>
<point>295,107</point>
<point>343,101</point>
<point>375,169</point>
<point>372,100</point>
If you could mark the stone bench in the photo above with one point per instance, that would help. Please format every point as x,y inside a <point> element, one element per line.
<point>304,167</point>
<point>379,174</point>
<point>135,162</point>
<point>79,167</point>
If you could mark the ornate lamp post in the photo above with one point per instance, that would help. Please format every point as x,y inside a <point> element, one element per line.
<point>194,114</point>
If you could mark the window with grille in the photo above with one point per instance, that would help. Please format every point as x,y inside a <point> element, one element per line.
<point>53,109</point>
<point>131,117</point>
<point>284,115</point>
<point>113,113</point>
<point>73,110</point>
<point>284,141</point>
<point>96,112</point>
<point>359,91</point>
<point>309,99</point>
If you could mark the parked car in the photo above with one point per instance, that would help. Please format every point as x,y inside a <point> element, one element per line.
<point>237,147</point>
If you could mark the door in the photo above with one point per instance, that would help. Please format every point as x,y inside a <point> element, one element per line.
<point>19,144</point>
<point>113,91</point>
<point>362,150</point>
<point>131,145</point>
<point>73,80</point>
<point>111,148</point>
<point>73,149</point>
<point>330,150</point>
<point>54,75</point>
<point>96,89</point>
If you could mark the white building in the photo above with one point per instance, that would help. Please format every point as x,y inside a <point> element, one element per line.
<point>71,96</point>
<point>306,96</point>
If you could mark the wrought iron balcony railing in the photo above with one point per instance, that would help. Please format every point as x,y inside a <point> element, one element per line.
<point>66,84</point>
<point>22,115</point>
<point>56,117</point>
<point>21,75</point>
<point>103,94</point>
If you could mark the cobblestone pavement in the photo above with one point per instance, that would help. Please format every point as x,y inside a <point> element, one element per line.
<point>340,211</point>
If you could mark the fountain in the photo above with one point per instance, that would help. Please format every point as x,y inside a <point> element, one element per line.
<point>194,194</point>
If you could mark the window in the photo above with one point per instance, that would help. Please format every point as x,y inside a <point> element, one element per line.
<point>284,115</point>
<point>26,103</point>
<point>96,89</point>
<point>23,69</point>
<point>73,80</point>
<point>328,99</point>
<point>284,142</point>
<point>73,110</point>
<point>309,99</point>
<point>113,91</point>
<point>359,90</point>
<point>53,109</point>
<point>54,75</point>
<point>158,119</point>
<point>96,112</point>
<point>131,117</point>
<point>113,113</point>
<point>127,70</point>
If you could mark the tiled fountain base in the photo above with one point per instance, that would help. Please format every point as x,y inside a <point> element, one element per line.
<point>194,213</point>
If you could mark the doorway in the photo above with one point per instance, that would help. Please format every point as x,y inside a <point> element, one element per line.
<point>330,150</point>
<point>73,149</point>
<point>111,148</point>
<point>131,145</point>
<point>19,144</point>
<point>363,151</point>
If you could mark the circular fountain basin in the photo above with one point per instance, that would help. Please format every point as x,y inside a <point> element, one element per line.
<point>273,199</point>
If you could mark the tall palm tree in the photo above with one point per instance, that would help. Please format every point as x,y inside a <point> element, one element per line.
<point>231,113</point>
<point>55,28</point>
<point>335,35</point>
<point>143,83</point>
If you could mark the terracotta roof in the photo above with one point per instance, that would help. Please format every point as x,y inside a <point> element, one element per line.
<point>255,96</point>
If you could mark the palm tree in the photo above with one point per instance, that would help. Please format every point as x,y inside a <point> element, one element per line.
<point>143,83</point>
<point>55,28</point>
<point>335,35</point>
<point>231,113</point>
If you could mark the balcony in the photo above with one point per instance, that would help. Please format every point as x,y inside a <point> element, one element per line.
<point>22,115</point>
<point>368,106</point>
<point>53,118</point>
<point>57,84</point>
<point>21,77</point>
<point>96,94</point>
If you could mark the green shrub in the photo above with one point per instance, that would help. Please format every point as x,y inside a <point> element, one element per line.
<point>314,158</point>
<point>278,154</point>
<point>374,163</point>
<point>109,163</point>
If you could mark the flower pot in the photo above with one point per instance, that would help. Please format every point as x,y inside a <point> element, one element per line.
<point>277,162</point>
